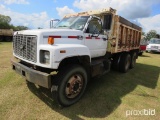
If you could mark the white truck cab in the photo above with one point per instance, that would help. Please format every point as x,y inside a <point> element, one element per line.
<point>73,36</point>
<point>154,45</point>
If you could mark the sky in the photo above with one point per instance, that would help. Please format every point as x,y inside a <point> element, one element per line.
<point>38,13</point>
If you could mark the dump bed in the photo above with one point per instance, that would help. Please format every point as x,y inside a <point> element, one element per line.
<point>124,36</point>
<point>6,32</point>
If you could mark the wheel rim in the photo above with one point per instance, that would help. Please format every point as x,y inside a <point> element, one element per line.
<point>74,86</point>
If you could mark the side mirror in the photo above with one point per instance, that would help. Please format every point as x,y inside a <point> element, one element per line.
<point>52,22</point>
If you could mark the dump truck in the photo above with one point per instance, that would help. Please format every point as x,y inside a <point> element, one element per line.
<point>79,47</point>
<point>6,35</point>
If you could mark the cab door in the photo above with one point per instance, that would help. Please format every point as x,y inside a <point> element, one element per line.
<point>94,39</point>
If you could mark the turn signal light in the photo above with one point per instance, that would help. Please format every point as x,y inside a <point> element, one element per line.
<point>50,40</point>
<point>62,51</point>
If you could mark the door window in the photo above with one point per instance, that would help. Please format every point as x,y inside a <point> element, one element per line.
<point>94,26</point>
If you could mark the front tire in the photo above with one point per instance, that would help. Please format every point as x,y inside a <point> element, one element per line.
<point>71,84</point>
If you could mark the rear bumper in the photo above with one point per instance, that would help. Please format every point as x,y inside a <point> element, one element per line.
<point>34,76</point>
<point>158,51</point>
<point>152,50</point>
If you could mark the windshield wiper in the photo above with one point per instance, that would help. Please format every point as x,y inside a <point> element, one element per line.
<point>63,26</point>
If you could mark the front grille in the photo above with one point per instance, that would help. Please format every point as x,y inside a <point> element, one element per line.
<point>155,47</point>
<point>25,46</point>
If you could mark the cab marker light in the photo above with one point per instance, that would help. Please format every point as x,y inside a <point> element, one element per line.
<point>50,40</point>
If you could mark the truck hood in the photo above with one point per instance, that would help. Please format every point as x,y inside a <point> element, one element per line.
<point>50,32</point>
<point>61,36</point>
<point>153,45</point>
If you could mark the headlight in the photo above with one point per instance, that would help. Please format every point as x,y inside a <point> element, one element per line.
<point>44,57</point>
<point>148,46</point>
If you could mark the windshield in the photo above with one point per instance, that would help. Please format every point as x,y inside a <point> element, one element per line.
<point>77,22</point>
<point>155,41</point>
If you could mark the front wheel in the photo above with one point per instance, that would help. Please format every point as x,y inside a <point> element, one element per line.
<point>72,82</point>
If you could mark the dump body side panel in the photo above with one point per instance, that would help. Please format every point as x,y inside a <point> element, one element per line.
<point>6,32</point>
<point>125,36</point>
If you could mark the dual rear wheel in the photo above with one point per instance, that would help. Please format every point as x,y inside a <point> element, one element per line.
<point>123,62</point>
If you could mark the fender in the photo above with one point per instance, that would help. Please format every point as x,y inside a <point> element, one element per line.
<point>69,50</point>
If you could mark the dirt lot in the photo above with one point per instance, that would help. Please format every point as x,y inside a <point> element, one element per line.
<point>112,96</point>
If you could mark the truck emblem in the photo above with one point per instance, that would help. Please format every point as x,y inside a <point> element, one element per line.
<point>80,37</point>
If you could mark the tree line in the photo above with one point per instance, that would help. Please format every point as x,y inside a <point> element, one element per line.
<point>150,34</point>
<point>5,24</point>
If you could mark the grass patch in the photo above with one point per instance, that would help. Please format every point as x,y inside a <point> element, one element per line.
<point>106,97</point>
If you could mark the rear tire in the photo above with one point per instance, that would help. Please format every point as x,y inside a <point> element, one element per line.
<point>140,54</point>
<point>1,38</point>
<point>133,59</point>
<point>71,84</point>
<point>125,62</point>
<point>115,62</point>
